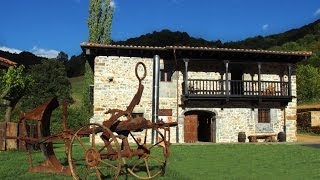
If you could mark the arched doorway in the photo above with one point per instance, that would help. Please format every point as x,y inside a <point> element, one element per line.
<point>199,126</point>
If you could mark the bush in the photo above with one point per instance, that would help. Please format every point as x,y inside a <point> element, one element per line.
<point>75,120</point>
<point>308,83</point>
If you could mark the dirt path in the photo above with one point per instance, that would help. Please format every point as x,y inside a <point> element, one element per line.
<point>308,138</point>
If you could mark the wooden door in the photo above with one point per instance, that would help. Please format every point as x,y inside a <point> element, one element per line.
<point>191,128</point>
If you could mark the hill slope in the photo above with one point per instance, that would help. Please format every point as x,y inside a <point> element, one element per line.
<point>167,37</point>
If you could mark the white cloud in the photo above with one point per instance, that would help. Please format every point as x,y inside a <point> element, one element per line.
<point>265,27</point>
<point>48,53</point>
<point>11,50</point>
<point>317,13</point>
<point>113,4</point>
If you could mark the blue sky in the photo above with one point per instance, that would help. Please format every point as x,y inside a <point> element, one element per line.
<point>46,27</point>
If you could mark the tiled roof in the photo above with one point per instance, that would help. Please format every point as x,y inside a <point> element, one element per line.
<point>295,53</point>
<point>302,53</point>
<point>7,62</point>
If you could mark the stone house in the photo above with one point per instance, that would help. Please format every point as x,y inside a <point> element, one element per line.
<point>213,93</point>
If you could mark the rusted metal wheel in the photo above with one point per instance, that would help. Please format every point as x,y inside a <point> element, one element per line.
<point>153,161</point>
<point>94,153</point>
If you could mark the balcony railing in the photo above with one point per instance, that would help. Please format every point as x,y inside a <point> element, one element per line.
<point>237,88</point>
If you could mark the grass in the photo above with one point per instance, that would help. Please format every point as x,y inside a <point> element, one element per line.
<point>214,161</point>
<point>77,84</point>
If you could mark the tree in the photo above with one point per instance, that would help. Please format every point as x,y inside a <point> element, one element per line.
<point>99,25</point>
<point>14,85</point>
<point>50,79</point>
<point>100,20</point>
<point>62,56</point>
<point>308,83</point>
<point>76,66</point>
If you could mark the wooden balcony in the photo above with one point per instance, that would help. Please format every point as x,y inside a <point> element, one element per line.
<point>237,90</point>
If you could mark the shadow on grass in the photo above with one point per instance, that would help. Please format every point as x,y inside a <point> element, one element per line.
<point>312,145</point>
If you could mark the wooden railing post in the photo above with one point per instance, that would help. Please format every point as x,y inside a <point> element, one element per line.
<point>289,80</point>
<point>252,85</point>
<point>227,79</point>
<point>259,79</point>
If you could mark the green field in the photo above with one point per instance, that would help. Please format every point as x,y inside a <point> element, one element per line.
<point>214,161</point>
<point>77,84</point>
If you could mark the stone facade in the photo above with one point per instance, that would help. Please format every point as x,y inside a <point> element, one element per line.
<point>115,84</point>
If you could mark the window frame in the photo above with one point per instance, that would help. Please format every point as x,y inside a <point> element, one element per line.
<point>165,76</point>
<point>264,115</point>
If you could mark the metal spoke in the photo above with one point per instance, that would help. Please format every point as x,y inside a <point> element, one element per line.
<point>145,137</point>
<point>110,165</point>
<point>82,144</point>
<point>77,160</point>
<point>97,173</point>
<point>87,172</point>
<point>102,148</point>
<point>136,163</point>
<point>134,138</point>
<point>93,137</point>
<point>147,166</point>
<point>160,161</point>
<point>155,144</point>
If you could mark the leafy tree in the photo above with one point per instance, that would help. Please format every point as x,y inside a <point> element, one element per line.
<point>14,85</point>
<point>88,78</point>
<point>99,22</point>
<point>308,82</point>
<point>50,79</point>
<point>62,56</point>
<point>76,66</point>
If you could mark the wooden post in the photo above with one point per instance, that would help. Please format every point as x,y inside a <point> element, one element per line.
<point>227,80</point>
<point>252,84</point>
<point>3,128</point>
<point>11,134</point>
<point>259,81</point>
<point>185,77</point>
<point>289,80</point>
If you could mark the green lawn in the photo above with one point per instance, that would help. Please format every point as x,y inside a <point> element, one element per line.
<point>216,161</point>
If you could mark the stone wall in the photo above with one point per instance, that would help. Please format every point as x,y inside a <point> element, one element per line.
<point>229,121</point>
<point>116,84</point>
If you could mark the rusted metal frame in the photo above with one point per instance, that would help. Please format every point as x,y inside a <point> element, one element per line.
<point>123,129</point>
<point>42,115</point>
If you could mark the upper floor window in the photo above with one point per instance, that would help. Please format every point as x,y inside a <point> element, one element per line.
<point>264,116</point>
<point>165,75</point>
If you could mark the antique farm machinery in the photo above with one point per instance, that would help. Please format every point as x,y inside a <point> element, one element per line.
<point>116,147</point>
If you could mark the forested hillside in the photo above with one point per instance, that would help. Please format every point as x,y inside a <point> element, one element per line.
<point>168,38</point>
<point>25,58</point>
<point>306,38</point>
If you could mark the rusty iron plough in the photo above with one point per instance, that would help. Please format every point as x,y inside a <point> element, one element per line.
<point>99,151</point>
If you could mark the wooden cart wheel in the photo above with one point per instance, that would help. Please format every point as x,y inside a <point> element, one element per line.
<point>153,161</point>
<point>94,153</point>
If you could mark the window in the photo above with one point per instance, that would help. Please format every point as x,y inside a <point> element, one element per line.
<point>91,90</point>
<point>135,115</point>
<point>263,115</point>
<point>165,75</point>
